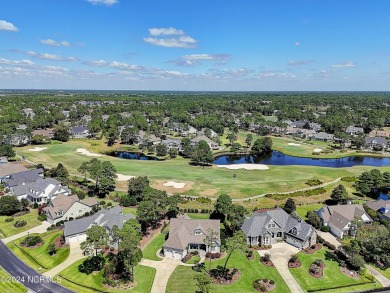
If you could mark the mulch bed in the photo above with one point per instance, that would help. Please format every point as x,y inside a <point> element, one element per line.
<point>235,277</point>
<point>310,250</point>
<point>320,272</point>
<point>58,243</point>
<point>223,254</point>
<point>268,286</point>
<point>267,263</point>
<point>296,264</point>
<point>350,274</point>
<point>35,246</point>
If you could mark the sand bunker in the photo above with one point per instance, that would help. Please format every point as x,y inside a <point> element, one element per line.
<point>122,177</point>
<point>317,150</point>
<point>245,166</point>
<point>294,144</point>
<point>87,153</point>
<point>174,184</point>
<point>37,149</point>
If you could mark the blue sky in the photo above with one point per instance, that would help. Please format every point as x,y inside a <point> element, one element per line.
<point>195,45</point>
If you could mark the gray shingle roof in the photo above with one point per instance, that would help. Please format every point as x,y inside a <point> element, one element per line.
<point>256,224</point>
<point>23,177</point>
<point>181,232</point>
<point>105,218</point>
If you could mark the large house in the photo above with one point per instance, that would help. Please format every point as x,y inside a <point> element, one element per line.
<point>39,191</point>
<point>266,227</point>
<point>75,231</point>
<point>373,142</point>
<point>382,207</point>
<point>173,144</point>
<point>323,136</point>
<point>6,170</point>
<point>79,132</point>
<point>63,207</point>
<point>213,145</point>
<point>352,130</point>
<point>186,235</point>
<point>339,217</point>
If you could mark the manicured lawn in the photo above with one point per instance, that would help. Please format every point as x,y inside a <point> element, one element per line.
<point>250,271</point>
<point>194,259</point>
<point>40,254</point>
<point>8,285</point>
<point>7,228</point>
<point>149,252</point>
<point>303,209</point>
<point>144,277</point>
<point>210,181</point>
<point>198,216</point>
<point>332,278</point>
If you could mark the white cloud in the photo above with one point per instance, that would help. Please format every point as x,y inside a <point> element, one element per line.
<point>7,26</point>
<point>348,64</point>
<point>169,31</point>
<point>275,74</point>
<point>47,56</point>
<point>16,62</point>
<point>113,64</point>
<point>103,2</point>
<point>53,43</point>
<point>176,39</point>
<point>195,59</point>
<point>299,62</point>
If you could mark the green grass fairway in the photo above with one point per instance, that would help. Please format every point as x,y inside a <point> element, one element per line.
<point>332,278</point>
<point>9,285</point>
<point>302,210</point>
<point>40,254</point>
<point>7,228</point>
<point>149,252</point>
<point>209,182</point>
<point>250,271</point>
<point>144,277</point>
<point>199,216</point>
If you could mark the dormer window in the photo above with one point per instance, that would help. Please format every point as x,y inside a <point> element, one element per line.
<point>294,231</point>
<point>198,232</point>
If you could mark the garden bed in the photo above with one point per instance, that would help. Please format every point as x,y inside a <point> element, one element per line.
<point>349,273</point>
<point>296,264</point>
<point>316,270</point>
<point>234,277</point>
<point>264,285</point>
<point>312,249</point>
<point>267,263</point>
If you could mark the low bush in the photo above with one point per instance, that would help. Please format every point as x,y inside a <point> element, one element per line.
<point>31,241</point>
<point>95,263</point>
<point>313,182</point>
<point>10,219</point>
<point>311,192</point>
<point>20,223</point>
<point>325,228</point>
<point>42,217</point>
<point>329,245</point>
<point>349,179</point>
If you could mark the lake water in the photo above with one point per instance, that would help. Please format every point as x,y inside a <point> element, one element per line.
<point>279,159</point>
<point>136,156</point>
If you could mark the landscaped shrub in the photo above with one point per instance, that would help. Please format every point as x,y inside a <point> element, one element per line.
<point>52,250</point>
<point>109,204</point>
<point>10,219</point>
<point>35,205</point>
<point>293,258</point>
<point>95,263</point>
<point>31,241</point>
<point>102,202</point>
<point>208,254</point>
<point>329,245</point>
<point>20,223</point>
<point>313,182</point>
<point>42,217</point>
<point>112,248</point>
<point>217,255</point>
<point>320,239</point>
<point>266,257</point>
<point>58,224</point>
<point>325,228</point>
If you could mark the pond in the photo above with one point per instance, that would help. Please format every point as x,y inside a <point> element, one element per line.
<point>135,156</point>
<point>277,158</point>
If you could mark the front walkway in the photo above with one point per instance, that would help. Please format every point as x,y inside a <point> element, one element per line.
<point>38,229</point>
<point>280,254</point>
<point>164,270</point>
<point>329,237</point>
<point>385,282</point>
<point>75,254</point>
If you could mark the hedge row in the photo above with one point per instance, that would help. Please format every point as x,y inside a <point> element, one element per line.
<point>310,192</point>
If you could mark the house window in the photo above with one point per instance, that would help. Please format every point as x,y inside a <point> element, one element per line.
<point>294,231</point>
<point>279,234</point>
<point>198,232</point>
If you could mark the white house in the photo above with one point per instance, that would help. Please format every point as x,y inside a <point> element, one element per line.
<point>213,145</point>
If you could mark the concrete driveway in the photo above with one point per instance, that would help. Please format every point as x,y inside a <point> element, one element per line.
<point>75,254</point>
<point>280,254</point>
<point>38,229</point>
<point>329,237</point>
<point>164,270</point>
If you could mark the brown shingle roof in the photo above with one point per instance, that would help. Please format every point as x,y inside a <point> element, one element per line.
<point>181,232</point>
<point>11,168</point>
<point>60,202</point>
<point>89,201</point>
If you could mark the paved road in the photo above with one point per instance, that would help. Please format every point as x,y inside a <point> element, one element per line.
<point>27,276</point>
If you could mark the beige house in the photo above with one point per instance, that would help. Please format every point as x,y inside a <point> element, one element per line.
<point>187,235</point>
<point>63,207</point>
<point>213,145</point>
<point>339,217</point>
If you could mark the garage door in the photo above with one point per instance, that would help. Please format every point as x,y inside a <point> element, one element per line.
<point>168,253</point>
<point>77,238</point>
